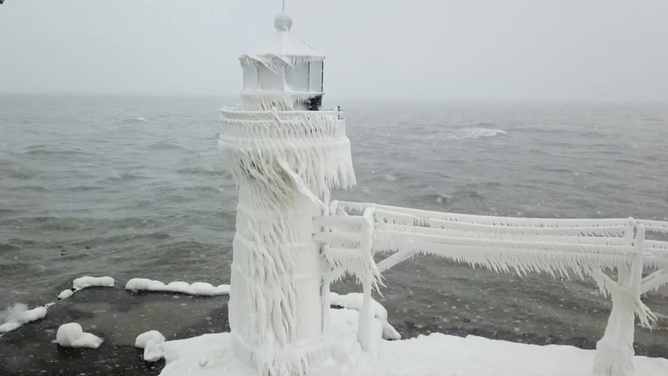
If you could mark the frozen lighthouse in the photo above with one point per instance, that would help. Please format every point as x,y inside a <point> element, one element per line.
<point>286,154</point>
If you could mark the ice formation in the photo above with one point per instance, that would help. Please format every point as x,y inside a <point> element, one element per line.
<point>72,335</point>
<point>355,301</point>
<point>584,247</point>
<point>65,294</point>
<point>86,282</point>
<point>153,351</point>
<point>196,288</point>
<point>19,314</point>
<point>151,335</point>
<point>151,342</point>
<point>286,153</point>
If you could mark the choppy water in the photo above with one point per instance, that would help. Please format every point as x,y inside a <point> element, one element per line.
<point>133,187</point>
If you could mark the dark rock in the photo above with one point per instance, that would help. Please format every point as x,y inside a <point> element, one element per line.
<point>117,316</point>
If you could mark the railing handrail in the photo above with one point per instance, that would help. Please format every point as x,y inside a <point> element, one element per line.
<point>234,110</point>
<point>528,244</point>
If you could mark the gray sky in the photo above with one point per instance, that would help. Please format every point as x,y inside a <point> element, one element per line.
<point>463,49</point>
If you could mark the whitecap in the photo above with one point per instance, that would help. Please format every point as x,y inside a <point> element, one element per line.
<point>473,133</point>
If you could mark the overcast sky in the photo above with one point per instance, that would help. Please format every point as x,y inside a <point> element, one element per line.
<point>613,50</point>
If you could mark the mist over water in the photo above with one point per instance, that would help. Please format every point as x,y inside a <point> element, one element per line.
<point>134,187</point>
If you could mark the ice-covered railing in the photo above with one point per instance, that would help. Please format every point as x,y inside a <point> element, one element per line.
<point>354,232</point>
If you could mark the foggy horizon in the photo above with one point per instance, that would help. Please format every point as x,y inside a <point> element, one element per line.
<point>599,51</point>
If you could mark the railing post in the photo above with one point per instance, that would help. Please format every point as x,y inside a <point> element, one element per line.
<point>364,332</point>
<point>614,352</point>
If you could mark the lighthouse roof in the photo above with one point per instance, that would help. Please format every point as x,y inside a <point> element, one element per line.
<point>284,44</point>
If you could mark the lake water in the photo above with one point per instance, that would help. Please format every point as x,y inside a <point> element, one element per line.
<point>134,187</point>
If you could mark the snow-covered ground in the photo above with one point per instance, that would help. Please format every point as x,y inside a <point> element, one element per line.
<point>353,300</point>
<point>433,355</point>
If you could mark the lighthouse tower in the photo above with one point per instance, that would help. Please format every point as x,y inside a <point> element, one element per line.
<point>286,154</point>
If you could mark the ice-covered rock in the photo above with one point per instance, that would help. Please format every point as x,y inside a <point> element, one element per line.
<point>143,284</point>
<point>196,288</point>
<point>85,282</point>
<point>72,335</point>
<point>34,314</point>
<point>153,335</point>
<point>19,314</point>
<point>354,301</point>
<point>153,351</point>
<point>9,326</point>
<point>65,294</point>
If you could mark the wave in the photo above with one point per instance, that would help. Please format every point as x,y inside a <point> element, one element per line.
<point>132,120</point>
<point>55,153</point>
<point>34,188</point>
<point>86,188</point>
<point>166,145</point>
<point>196,171</point>
<point>8,247</point>
<point>473,133</point>
<point>119,178</point>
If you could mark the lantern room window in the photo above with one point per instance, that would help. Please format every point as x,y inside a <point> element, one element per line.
<point>298,78</point>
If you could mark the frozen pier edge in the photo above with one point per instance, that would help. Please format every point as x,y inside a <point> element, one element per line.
<point>287,154</point>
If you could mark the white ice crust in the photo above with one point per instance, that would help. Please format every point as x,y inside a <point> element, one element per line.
<point>152,335</point>
<point>196,288</point>
<point>354,301</point>
<point>151,342</point>
<point>285,46</point>
<point>19,314</point>
<point>65,294</point>
<point>153,351</point>
<point>86,282</point>
<point>72,335</point>
<point>436,354</point>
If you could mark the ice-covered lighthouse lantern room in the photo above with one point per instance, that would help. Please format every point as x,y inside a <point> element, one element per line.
<point>286,153</point>
<point>289,68</point>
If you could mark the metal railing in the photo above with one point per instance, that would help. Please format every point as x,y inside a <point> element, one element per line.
<point>354,232</point>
